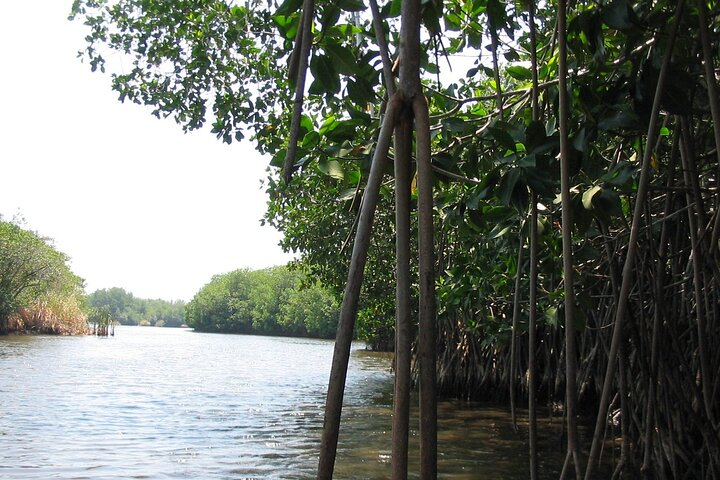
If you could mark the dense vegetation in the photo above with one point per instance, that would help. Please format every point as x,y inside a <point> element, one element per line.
<point>38,291</point>
<point>566,171</point>
<point>123,307</point>
<point>273,301</point>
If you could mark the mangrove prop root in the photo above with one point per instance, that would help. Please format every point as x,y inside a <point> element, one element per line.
<point>349,307</point>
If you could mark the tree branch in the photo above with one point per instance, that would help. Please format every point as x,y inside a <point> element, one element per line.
<point>305,37</point>
<point>383,46</point>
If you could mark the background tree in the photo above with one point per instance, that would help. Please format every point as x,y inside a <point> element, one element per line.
<point>38,291</point>
<point>126,309</point>
<point>273,301</point>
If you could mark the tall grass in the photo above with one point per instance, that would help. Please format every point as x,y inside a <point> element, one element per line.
<point>53,315</point>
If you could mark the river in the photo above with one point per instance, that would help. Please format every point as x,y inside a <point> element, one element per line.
<point>161,403</point>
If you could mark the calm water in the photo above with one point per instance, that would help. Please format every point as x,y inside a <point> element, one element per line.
<point>174,404</point>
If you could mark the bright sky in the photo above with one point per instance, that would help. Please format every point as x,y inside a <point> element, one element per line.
<point>132,200</point>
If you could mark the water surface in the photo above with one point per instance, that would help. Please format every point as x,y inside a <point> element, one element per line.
<point>174,404</point>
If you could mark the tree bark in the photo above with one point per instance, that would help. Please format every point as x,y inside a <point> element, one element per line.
<point>427,346</point>
<point>401,401</point>
<point>349,308</point>
<point>532,341</point>
<point>304,36</point>
<point>696,222</point>
<point>382,45</point>
<point>568,274</point>
<point>513,337</point>
<point>533,241</point>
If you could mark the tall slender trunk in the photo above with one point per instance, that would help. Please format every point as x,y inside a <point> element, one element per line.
<point>427,343</point>
<point>532,317</point>
<point>513,334</point>
<point>532,342</point>
<point>351,296</point>
<point>627,273</point>
<point>568,274</point>
<point>496,71</point>
<point>696,222</point>
<point>401,401</point>
<point>411,90</point>
<point>299,64</point>
<point>646,469</point>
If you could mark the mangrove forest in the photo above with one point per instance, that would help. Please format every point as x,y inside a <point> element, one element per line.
<point>272,301</point>
<point>520,198</point>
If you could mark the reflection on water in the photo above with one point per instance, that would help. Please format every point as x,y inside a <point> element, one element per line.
<point>169,403</point>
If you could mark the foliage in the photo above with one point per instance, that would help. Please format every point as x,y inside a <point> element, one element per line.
<point>126,309</point>
<point>317,214</point>
<point>38,291</point>
<point>273,301</point>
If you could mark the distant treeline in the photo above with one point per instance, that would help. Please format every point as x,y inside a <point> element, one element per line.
<point>273,301</point>
<point>125,308</point>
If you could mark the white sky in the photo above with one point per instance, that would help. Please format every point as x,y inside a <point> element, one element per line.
<point>132,200</point>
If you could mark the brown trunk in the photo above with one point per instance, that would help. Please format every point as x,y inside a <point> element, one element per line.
<point>300,58</point>
<point>349,308</point>
<point>568,274</point>
<point>513,337</point>
<point>427,342</point>
<point>401,401</point>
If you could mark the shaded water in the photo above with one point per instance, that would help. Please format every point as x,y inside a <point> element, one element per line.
<point>174,404</point>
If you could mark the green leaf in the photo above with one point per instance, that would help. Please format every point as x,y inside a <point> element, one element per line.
<point>347,194</point>
<point>311,140</point>
<point>360,92</point>
<point>344,130</point>
<point>620,175</point>
<point>288,7</point>
<point>455,124</point>
<point>453,22</point>
<point>519,73</point>
<point>395,8</point>
<point>342,58</point>
<point>588,196</point>
<point>619,121</point>
<point>331,168</point>
<point>306,125</point>
<point>607,202</point>
<point>279,158</point>
<point>432,13</point>
<point>328,125</point>
<point>323,70</point>
<point>498,231</point>
<point>551,316</point>
<point>507,185</point>
<point>503,138</point>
